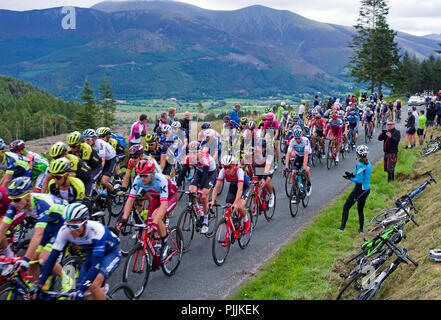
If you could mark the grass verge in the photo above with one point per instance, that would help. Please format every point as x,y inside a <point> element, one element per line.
<point>309,267</point>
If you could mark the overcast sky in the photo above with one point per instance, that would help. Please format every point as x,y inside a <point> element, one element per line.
<point>418,17</point>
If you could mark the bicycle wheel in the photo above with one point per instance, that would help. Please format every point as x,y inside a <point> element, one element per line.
<point>329,157</point>
<point>378,218</point>
<point>366,133</point>
<point>244,239</point>
<point>187,224</point>
<point>288,183</point>
<point>294,201</point>
<point>171,263</point>
<point>71,266</point>
<point>8,291</point>
<point>269,212</point>
<point>351,289</point>
<point>122,291</point>
<point>253,210</point>
<point>137,269</point>
<point>221,242</point>
<point>305,197</point>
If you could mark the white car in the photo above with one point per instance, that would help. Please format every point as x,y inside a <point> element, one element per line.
<point>416,101</point>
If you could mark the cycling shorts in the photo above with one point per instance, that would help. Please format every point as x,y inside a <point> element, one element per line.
<point>209,182</point>
<point>298,162</point>
<point>232,192</point>
<point>109,167</point>
<point>172,203</point>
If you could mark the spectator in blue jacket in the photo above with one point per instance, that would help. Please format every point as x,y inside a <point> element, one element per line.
<point>234,116</point>
<point>362,180</point>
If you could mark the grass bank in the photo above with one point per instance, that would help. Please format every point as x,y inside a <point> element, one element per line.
<point>309,267</point>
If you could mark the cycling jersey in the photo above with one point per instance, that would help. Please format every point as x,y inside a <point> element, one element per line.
<point>157,153</point>
<point>267,125</point>
<point>335,127</point>
<point>103,253</point>
<point>368,115</point>
<point>104,149</point>
<point>4,201</point>
<point>75,191</point>
<point>16,165</point>
<point>300,147</point>
<point>37,162</point>
<point>318,125</point>
<point>238,176</point>
<point>161,188</point>
<point>352,121</point>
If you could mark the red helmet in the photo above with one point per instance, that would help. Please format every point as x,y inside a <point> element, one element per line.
<point>145,166</point>
<point>334,116</point>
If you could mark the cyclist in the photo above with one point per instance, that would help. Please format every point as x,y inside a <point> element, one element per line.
<point>63,185</point>
<point>204,126</point>
<point>89,155</point>
<point>264,170</point>
<point>238,191</point>
<point>384,112</point>
<point>182,135</point>
<point>352,125</point>
<point>161,193</point>
<point>105,134</point>
<point>204,176</point>
<point>335,131</point>
<point>299,148</point>
<point>158,151</point>
<point>369,119</point>
<point>398,108</point>
<point>318,126</point>
<point>38,164</point>
<point>15,165</point>
<point>102,247</point>
<point>47,209</point>
<point>272,124</point>
<point>211,143</point>
<point>284,122</point>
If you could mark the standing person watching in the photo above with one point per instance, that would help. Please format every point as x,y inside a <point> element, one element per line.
<point>421,124</point>
<point>362,180</point>
<point>138,130</point>
<point>391,138</point>
<point>410,131</point>
<point>431,114</point>
<point>234,115</point>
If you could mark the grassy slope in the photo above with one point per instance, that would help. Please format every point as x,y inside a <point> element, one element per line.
<point>309,267</point>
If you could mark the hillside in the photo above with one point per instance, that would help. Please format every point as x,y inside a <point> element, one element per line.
<point>168,49</point>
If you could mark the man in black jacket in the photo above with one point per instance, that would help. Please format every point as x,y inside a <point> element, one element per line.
<point>391,138</point>
<point>431,115</point>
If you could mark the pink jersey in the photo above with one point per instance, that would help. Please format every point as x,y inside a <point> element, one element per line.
<point>274,125</point>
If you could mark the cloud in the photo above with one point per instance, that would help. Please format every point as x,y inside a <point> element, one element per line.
<point>416,17</point>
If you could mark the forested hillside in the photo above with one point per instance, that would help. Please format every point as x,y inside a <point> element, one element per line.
<point>26,112</point>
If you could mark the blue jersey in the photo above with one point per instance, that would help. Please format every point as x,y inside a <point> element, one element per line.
<point>363,175</point>
<point>352,121</point>
<point>45,208</point>
<point>161,187</point>
<point>17,165</point>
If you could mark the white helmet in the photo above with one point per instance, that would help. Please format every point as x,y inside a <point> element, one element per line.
<point>76,212</point>
<point>227,160</point>
<point>176,124</point>
<point>209,133</point>
<point>362,150</point>
<point>435,255</point>
<point>166,128</point>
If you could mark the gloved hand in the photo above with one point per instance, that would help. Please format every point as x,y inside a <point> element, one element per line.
<point>22,265</point>
<point>79,295</point>
<point>120,224</point>
<point>34,292</point>
<point>348,175</point>
<point>121,190</point>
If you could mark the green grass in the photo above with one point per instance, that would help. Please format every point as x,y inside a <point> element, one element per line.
<point>303,268</point>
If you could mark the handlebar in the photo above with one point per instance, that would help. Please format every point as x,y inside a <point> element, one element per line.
<point>429,173</point>
<point>401,253</point>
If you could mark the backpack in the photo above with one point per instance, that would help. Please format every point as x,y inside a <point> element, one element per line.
<point>121,140</point>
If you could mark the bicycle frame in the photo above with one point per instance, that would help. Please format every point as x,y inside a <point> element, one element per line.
<point>257,199</point>
<point>230,224</point>
<point>18,277</point>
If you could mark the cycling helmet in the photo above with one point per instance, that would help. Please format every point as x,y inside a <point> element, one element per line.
<point>166,128</point>
<point>19,186</point>
<point>435,255</point>
<point>300,123</point>
<point>2,144</point>
<point>16,145</point>
<point>205,125</point>
<point>296,117</point>
<point>158,130</point>
<point>104,131</point>
<point>59,166</point>
<point>76,211</point>
<point>269,116</point>
<point>194,145</point>
<point>145,166</point>
<point>285,113</point>
<point>151,137</point>
<point>209,133</point>
<point>340,113</point>
<point>298,133</point>
<point>243,120</point>
<point>175,124</point>
<point>334,116</point>
<point>318,116</point>
<point>58,149</point>
<point>135,151</point>
<point>251,125</point>
<point>227,160</point>
<point>74,138</point>
<point>89,133</point>
<point>362,150</point>
<point>303,101</point>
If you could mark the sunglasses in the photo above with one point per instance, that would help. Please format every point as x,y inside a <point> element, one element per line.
<point>16,200</point>
<point>75,226</point>
<point>145,175</point>
<point>227,167</point>
<point>88,139</point>
<point>59,177</point>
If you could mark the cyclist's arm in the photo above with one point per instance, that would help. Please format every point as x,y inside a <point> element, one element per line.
<point>35,240</point>
<point>5,180</point>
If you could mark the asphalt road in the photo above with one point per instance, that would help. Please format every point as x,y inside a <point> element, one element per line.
<point>199,278</point>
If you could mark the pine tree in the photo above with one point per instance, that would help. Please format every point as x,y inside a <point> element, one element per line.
<point>87,116</point>
<point>107,104</point>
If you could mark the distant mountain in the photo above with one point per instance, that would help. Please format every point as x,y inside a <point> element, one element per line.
<point>433,36</point>
<point>168,48</point>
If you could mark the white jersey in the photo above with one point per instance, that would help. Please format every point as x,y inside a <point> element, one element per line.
<point>301,147</point>
<point>104,149</point>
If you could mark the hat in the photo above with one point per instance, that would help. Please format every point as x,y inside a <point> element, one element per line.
<point>227,118</point>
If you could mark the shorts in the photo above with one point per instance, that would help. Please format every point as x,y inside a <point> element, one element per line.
<point>298,162</point>
<point>429,123</point>
<point>319,133</point>
<point>172,203</point>
<point>209,182</point>
<point>109,167</point>
<point>420,132</point>
<point>107,266</point>
<point>410,131</point>
<point>232,191</point>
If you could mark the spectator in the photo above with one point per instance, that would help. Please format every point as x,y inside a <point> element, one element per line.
<point>362,180</point>
<point>421,124</point>
<point>410,131</point>
<point>171,115</point>
<point>162,121</point>
<point>391,138</point>
<point>302,109</point>
<point>438,113</point>
<point>280,110</point>
<point>138,130</point>
<point>316,101</point>
<point>234,115</point>
<point>185,123</point>
<point>431,114</point>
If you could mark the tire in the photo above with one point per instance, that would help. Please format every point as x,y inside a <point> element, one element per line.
<point>212,222</point>
<point>222,234</point>
<point>71,266</point>
<point>305,198</point>
<point>244,239</point>
<point>329,158</point>
<point>137,270</point>
<point>122,291</point>
<point>187,225</point>
<point>351,288</point>
<point>7,292</point>
<point>378,218</point>
<point>282,146</point>
<point>174,258</point>
<point>288,184</point>
<point>269,212</point>
<point>253,210</point>
<point>294,207</point>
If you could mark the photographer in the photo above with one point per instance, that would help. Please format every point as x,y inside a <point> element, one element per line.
<point>391,138</point>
